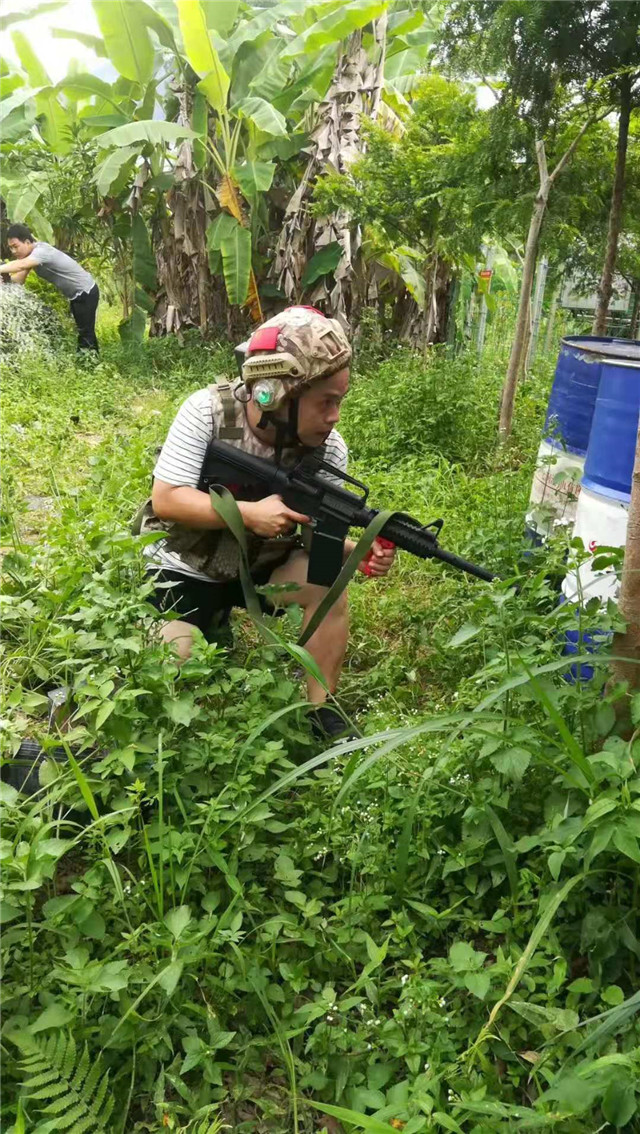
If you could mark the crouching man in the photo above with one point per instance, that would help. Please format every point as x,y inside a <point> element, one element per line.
<point>275,418</point>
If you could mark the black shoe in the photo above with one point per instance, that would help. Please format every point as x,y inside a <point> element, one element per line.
<point>328,724</point>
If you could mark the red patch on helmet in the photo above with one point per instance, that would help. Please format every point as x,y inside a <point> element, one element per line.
<point>265,338</point>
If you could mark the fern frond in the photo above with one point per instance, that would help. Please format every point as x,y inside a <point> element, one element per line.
<point>81,1073</point>
<point>74,1089</point>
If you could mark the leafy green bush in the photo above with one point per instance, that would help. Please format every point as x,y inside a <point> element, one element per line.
<point>438,405</point>
<point>433,927</point>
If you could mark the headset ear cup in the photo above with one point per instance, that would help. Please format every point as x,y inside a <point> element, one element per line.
<point>269,394</point>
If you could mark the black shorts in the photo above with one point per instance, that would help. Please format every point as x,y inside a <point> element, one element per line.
<point>200,603</point>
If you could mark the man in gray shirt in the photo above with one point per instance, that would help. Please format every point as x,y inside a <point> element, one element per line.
<point>62,271</point>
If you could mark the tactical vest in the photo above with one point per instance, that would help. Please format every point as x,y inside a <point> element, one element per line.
<point>217,553</point>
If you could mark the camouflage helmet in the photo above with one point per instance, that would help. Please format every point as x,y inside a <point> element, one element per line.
<point>290,351</point>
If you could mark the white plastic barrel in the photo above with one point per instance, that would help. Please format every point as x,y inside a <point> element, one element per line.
<point>554,491</point>
<point>601,521</point>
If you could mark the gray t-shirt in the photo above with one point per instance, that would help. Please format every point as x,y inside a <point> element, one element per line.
<point>60,270</point>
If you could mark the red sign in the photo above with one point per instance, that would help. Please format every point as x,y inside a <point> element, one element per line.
<point>486,273</point>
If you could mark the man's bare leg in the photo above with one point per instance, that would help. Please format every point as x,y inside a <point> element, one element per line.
<point>328,644</point>
<point>180,635</point>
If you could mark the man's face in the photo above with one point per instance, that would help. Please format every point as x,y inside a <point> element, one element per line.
<point>20,249</point>
<point>319,408</point>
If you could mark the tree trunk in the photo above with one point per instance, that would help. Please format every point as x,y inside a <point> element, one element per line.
<point>628,644</point>
<point>551,320</point>
<point>518,348</point>
<point>635,311</point>
<point>353,95</point>
<point>187,296</point>
<point>605,287</point>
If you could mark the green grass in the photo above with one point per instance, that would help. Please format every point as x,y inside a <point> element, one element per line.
<point>417,929</point>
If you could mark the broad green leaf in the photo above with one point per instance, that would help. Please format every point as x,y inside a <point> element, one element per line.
<point>182,710</point>
<point>157,23</point>
<point>236,264</point>
<point>56,118</point>
<point>131,330</point>
<point>627,843</point>
<point>254,176</point>
<point>146,302</point>
<point>177,920</point>
<point>8,795</point>
<point>338,24</point>
<point>126,38</point>
<point>158,133</point>
<point>406,20</point>
<point>376,953</point>
<point>413,280</point>
<point>201,53</point>
<point>271,80</point>
<point>83,783</point>
<point>18,98</point>
<point>102,121</point>
<point>170,976</point>
<point>20,199</point>
<point>215,87</point>
<point>55,1016</point>
<point>612,995</point>
<point>41,228</point>
<point>144,263</point>
<point>560,1019</point>
<point>106,171</point>
<point>464,634</point>
<point>54,848</point>
<point>366,1097</point>
<point>464,958</point>
<point>512,762</point>
<point>581,986</point>
<point>148,104</point>
<point>220,229</point>
<point>556,862</point>
<point>478,983</point>
<point>8,912</point>
<point>619,1102</point>
<point>93,41</point>
<point>324,261</point>
<point>28,13</point>
<point>263,115</point>
<point>220,14</point>
<point>87,85</point>
<point>352,1117</point>
<point>35,71</point>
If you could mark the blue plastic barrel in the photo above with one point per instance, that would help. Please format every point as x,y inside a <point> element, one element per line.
<point>574,392</point>
<point>614,429</point>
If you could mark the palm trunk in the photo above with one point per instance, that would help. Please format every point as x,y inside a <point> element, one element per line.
<point>186,295</point>
<point>605,286</point>
<point>627,645</point>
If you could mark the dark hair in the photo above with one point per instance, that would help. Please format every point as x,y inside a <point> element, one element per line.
<point>19,232</point>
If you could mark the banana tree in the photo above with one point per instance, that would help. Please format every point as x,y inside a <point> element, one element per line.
<point>371,74</point>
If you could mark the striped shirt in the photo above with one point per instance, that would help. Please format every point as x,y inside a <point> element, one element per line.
<point>198,422</point>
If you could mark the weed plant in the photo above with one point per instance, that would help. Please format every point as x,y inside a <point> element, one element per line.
<point>208,921</point>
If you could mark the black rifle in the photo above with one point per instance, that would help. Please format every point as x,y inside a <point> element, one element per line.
<point>333,509</point>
